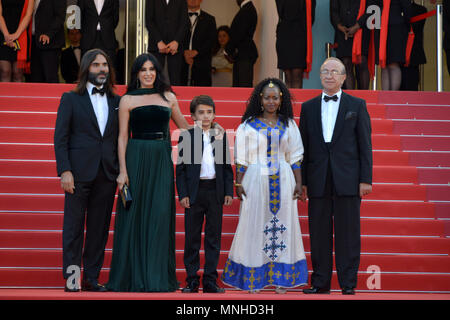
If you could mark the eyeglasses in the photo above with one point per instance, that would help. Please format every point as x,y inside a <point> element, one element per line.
<point>333,72</point>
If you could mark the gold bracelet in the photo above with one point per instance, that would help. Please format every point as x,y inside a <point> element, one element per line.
<point>238,185</point>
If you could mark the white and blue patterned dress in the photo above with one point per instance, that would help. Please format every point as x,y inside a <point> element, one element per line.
<point>267,248</point>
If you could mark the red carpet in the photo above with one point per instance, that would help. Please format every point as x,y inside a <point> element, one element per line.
<point>405,223</point>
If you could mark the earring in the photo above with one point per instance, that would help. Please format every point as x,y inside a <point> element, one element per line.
<point>262,108</point>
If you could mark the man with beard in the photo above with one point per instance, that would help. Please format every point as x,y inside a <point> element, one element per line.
<point>85,142</point>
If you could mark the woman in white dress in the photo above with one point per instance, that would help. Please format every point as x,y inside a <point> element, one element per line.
<point>222,67</point>
<point>267,248</point>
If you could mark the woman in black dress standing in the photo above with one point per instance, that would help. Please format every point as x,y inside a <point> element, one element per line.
<point>343,15</point>
<point>15,17</point>
<point>396,37</point>
<point>291,41</point>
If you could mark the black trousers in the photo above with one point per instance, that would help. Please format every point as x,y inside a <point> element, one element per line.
<point>91,204</point>
<point>243,73</point>
<point>344,214</point>
<point>99,43</point>
<point>174,66</point>
<point>44,64</point>
<point>206,205</point>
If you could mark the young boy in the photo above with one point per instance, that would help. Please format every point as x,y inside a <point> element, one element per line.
<point>204,181</point>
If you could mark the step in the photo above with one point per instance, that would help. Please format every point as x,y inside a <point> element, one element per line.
<point>42,258</point>
<point>52,185</point>
<point>45,134</point>
<point>438,192</point>
<point>369,244</point>
<point>394,174</point>
<point>380,157</point>
<point>433,175</point>
<point>389,281</point>
<point>435,143</point>
<point>406,227</point>
<point>369,208</point>
<point>421,127</point>
<point>429,158</point>
<point>420,112</point>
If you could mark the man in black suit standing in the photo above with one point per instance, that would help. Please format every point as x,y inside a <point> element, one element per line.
<point>336,174</point>
<point>198,44</point>
<point>241,47</point>
<point>48,39</point>
<point>71,57</point>
<point>85,142</point>
<point>167,22</point>
<point>99,19</point>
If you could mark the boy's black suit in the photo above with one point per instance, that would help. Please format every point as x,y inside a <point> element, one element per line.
<point>206,197</point>
<point>92,159</point>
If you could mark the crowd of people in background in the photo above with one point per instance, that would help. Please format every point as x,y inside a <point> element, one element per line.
<point>197,52</point>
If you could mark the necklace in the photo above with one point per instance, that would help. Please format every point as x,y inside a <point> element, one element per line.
<point>270,122</point>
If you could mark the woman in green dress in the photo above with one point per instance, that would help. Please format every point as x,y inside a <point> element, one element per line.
<point>144,235</point>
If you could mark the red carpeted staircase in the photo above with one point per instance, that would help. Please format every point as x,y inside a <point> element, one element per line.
<point>405,222</point>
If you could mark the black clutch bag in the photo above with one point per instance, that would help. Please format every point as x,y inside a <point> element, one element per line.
<point>125,195</point>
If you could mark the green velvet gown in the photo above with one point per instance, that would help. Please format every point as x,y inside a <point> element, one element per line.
<point>143,257</point>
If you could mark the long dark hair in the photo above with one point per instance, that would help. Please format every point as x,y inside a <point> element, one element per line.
<point>161,84</point>
<point>254,103</point>
<point>83,74</point>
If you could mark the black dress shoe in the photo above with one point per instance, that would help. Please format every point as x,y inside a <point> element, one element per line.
<point>348,291</point>
<point>92,285</point>
<point>314,290</point>
<point>212,288</point>
<point>191,288</point>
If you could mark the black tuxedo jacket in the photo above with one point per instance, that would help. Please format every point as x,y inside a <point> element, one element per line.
<point>349,153</point>
<point>204,38</point>
<point>344,12</point>
<point>189,165</point>
<point>79,145</point>
<point>166,22</point>
<point>241,45</point>
<point>108,18</point>
<point>69,65</point>
<point>49,20</point>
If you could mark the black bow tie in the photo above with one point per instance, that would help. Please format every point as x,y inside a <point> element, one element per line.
<point>101,91</point>
<point>193,14</point>
<point>76,47</point>
<point>327,98</point>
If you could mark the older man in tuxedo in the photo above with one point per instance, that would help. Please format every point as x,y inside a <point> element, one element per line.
<point>85,142</point>
<point>336,173</point>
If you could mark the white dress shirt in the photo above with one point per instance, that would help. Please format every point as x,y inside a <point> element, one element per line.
<point>194,20</point>
<point>244,3</point>
<point>207,170</point>
<point>99,5</point>
<point>329,114</point>
<point>100,105</point>
<point>33,25</point>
